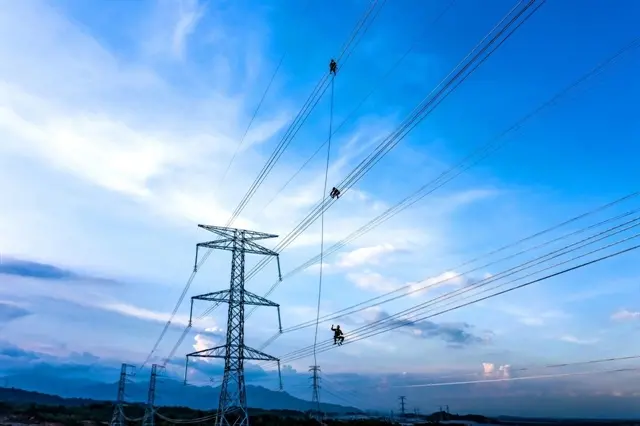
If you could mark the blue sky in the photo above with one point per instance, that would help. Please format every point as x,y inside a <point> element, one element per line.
<point>118,119</point>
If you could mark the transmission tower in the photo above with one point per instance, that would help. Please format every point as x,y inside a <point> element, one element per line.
<point>149,411</point>
<point>117,419</point>
<point>402,402</point>
<point>233,397</point>
<point>315,391</point>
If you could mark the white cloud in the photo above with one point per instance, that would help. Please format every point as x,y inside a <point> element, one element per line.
<point>365,255</point>
<point>191,12</point>
<point>449,278</point>
<point>578,341</point>
<point>531,317</point>
<point>169,27</point>
<point>203,341</point>
<point>372,281</point>
<point>625,315</point>
<point>489,369</point>
<point>142,313</point>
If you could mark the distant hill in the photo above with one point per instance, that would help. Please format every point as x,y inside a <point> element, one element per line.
<point>20,396</point>
<point>170,393</point>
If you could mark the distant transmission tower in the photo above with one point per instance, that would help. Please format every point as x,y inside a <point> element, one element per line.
<point>117,419</point>
<point>402,402</point>
<point>315,391</point>
<point>149,411</point>
<point>233,396</point>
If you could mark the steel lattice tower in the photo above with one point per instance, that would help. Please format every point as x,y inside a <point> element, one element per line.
<point>402,402</point>
<point>233,397</point>
<point>117,419</point>
<point>315,391</point>
<point>149,411</point>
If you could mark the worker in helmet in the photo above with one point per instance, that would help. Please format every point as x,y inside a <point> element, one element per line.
<point>333,67</point>
<point>335,193</point>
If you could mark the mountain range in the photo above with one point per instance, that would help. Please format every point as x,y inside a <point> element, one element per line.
<point>66,391</point>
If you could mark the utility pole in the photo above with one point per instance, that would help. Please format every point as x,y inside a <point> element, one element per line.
<point>149,411</point>
<point>315,392</point>
<point>402,398</point>
<point>233,397</point>
<point>117,418</point>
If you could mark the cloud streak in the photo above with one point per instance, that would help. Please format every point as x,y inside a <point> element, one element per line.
<point>454,334</point>
<point>11,312</point>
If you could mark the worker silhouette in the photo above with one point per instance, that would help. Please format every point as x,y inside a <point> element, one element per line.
<point>333,67</point>
<point>338,337</point>
<point>335,193</point>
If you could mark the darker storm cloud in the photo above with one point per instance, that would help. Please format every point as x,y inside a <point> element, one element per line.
<point>455,334</point>
<point>43,271</point>
<point>10,351</point>
<point>10,312</point>
<point>24,268</point>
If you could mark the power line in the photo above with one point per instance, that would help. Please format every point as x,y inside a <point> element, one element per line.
<point>407,290</point>
<point>409,123</point>
<point>295,126</point>
<point>255,113</point>
<point>485,149</point>
<point>389,321</point>
<point>404,289</point>
<point>511,379</point>
<point>552,366</point>
<point>361,103</point>
<point>413,321</point>
<point>370,330</point>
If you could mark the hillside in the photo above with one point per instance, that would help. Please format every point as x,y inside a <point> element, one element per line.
<point>172,394</point>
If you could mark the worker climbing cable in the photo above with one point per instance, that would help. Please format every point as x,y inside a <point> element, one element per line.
<point>335,193</point>
<point>333,67</point>
<point>338,335</point>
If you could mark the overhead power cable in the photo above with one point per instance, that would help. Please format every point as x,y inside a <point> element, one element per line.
<point>412,289</point>
<point>413,321</point>
<point>430,187</point>
<point>361,103</point>
<point>409,290</point>
<point>255,113</point>
<point>399,319</point>
<point>303,114</point>
<point>534,367</point>
<point>414,118</point>
<point>512,379</point>
<point>311,102</point>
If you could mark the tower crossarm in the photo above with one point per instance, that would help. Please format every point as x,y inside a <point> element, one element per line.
<point>216,296</point>
<point>227,244</point>
<point>223,297</point>
<point>231,232</point>
<point>217,352</point>
<point>254,299</point>
<point>256,355</point>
